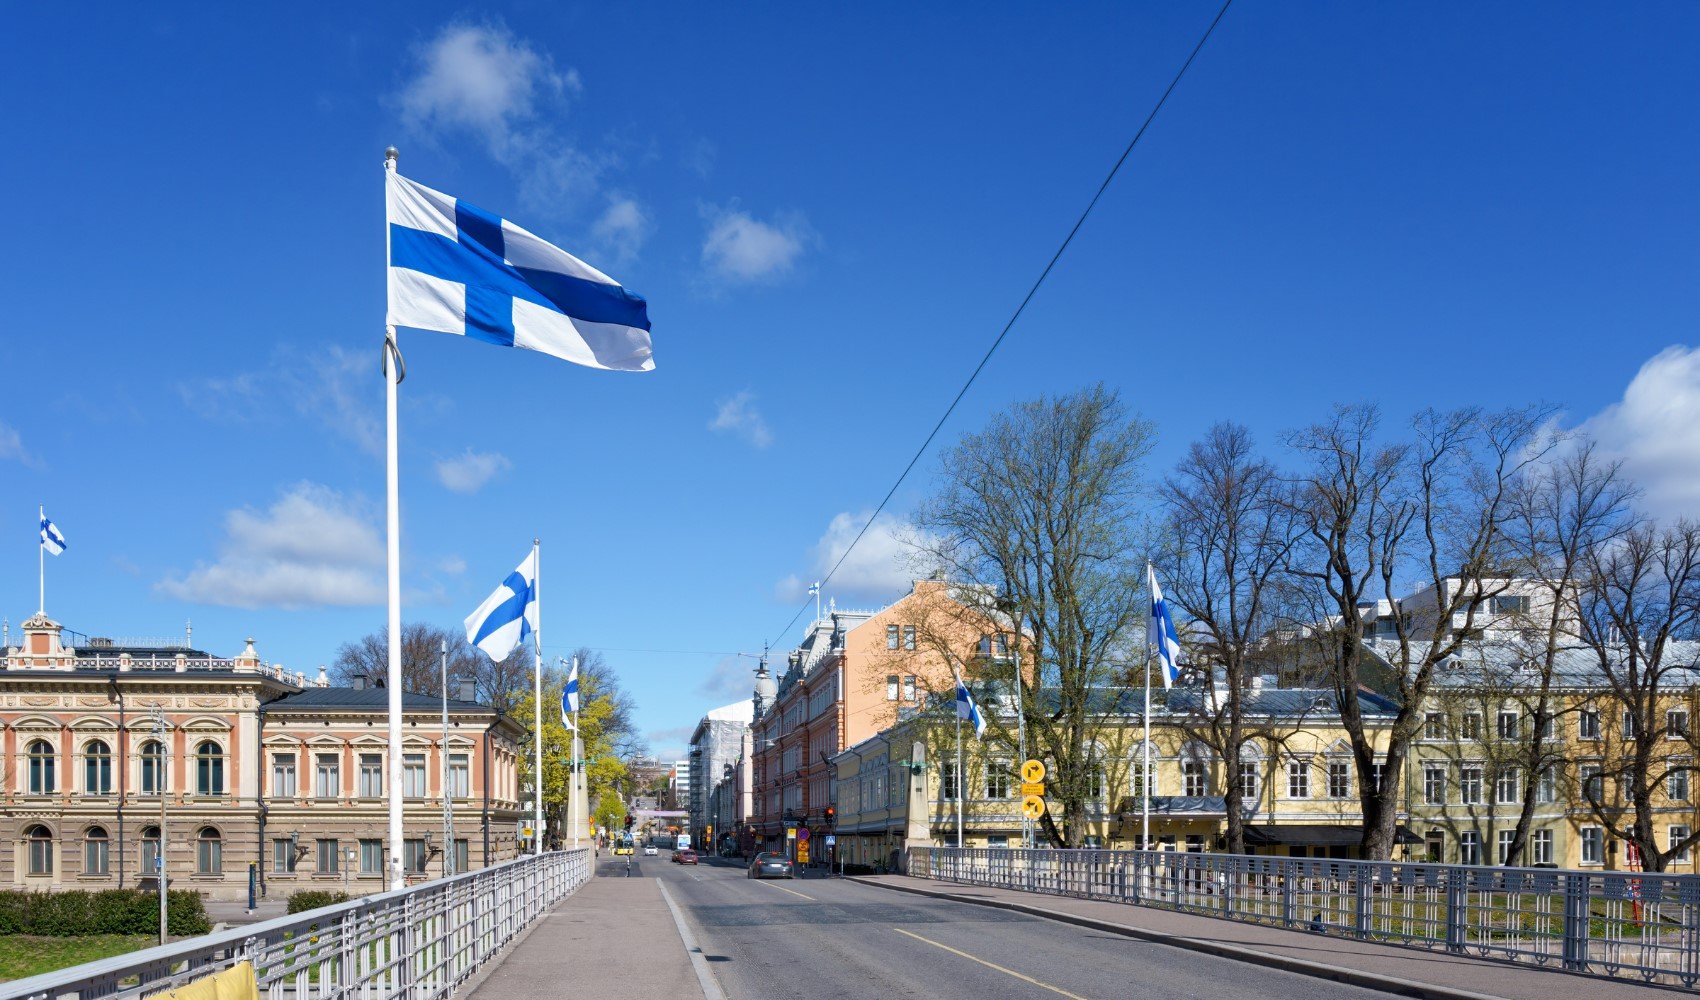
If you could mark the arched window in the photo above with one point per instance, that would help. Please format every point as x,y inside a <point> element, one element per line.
<point>150,850</point>
<point>40,840</point>
<point>97,852</point>
<point>1137,773</point>
<point>209,852</point>
<point>209,769</point>
<point>97,768</point>
<point>41,767</point>
<point>153,767</point>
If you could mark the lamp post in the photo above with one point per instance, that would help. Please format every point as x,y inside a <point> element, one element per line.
<point>160,786</point>
<point>443,753</point>
<point>350,859</point>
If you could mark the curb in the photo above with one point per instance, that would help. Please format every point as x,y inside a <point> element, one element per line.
<point>699,963</point>
<point>1315,970</point>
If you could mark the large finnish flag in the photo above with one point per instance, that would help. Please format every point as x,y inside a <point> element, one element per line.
<point>509,616</point>
<point>967,709</point>
<point>51,539</point>
<point>1162,631</point>
<point>458,269</point>
<point>569,697</point>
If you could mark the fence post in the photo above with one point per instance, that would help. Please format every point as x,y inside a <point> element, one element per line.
<point>1576,918</point>
<point>1457,892</point>
<point>1289,893</point>
<point>1360,900</point>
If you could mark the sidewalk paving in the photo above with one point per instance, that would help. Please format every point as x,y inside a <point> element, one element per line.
<point>1409,971</point>
<point>613,937</point>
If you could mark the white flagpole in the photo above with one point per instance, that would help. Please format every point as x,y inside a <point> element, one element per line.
<point>1145,778</point>
<point>1021,735</point>
<point>578,751</point>
<point>41,563</point>
<point>961,782</point>
<point>537,700</point>
<point>392,373</point>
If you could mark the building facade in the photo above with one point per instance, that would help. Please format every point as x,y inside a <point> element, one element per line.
<point>716,744</point>
<point>121,758</point>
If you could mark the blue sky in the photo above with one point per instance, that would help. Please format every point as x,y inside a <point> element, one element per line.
<point>831,213</point>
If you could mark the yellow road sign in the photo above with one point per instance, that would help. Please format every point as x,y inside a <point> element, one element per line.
<point>1032,807</point>
<point>1033,771</point>
<point>1033,788</point>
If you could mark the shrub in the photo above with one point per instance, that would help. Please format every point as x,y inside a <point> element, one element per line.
<point>77,912</point>
<point>313,899</point>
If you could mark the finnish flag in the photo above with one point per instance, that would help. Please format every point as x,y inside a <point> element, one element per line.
<point>1163,634</point>
<point>569,697</point>
<point>458,269</point>
<point>509,616</point>
<point>51,539</point>
<point>967,709</point>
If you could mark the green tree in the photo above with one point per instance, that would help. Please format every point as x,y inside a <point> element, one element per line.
<point>609,737</point>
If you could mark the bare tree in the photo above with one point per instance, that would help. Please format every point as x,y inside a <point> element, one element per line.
<point>1038,516</point>
<point>1380,518</point>
<point>1639,599</point>
<point>497,684</point>
<point>1231,535</point>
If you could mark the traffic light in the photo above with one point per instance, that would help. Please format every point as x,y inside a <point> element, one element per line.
<point>629,821</point>
<point>831,815</point>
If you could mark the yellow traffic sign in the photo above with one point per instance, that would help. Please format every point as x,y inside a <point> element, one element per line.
<point>1033,771</point>
<point>1033,788</point>
<point>1032,807</point>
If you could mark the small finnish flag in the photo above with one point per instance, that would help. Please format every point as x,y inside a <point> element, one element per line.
<point>967,709</point>
<point>569,697</point>
<point>509,616</point>
<point>51,539</point>
<point>1163,635</point>
<point>458,269</point>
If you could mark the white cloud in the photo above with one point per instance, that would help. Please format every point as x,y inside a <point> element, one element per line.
<point>737,414</point>
<point>452,565</point>
<point>880,566</point>
<point>732,677</point>
<point>12,446</point>
<point>233,397</point>
<point>1655,430</point>
<point>740,248</point>
<point>621,230</point>
<point>312,547</point>
<point>470,470</point>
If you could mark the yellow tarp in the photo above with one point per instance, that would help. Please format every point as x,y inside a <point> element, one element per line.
<point>234,983</point>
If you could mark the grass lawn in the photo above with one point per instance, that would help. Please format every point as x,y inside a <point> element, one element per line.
<point>24,955</point>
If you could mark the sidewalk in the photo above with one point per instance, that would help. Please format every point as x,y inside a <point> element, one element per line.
<point>1408,971</point>
<point>613,937</point>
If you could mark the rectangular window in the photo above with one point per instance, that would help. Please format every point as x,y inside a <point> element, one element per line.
<point>460,777</point>
<point>153,767</point>
<point>1508,786</point>
<point>330,857</point>
<point>1593,782</point>
<point>1470,786</point>
<point>1377,773</point>
<point>283,856</point>
<point>1588,725</point>
<point>891,682</point>
<point>1676,783</point>
<point>327,776</point>
<point>413,776</point>
<point>1472,728</point>
<point>1469,848</point>
<point>909,638</point>
<point>150,849</point>
<point>1505,838</point>
<point>1508,725</point>
<point>1434,847</point>
<point>41,855</point>
<point>1434,726</point>
<point>1136,772</point>
<point>1678,834</point>
<point>908,687</point>
<point>463,855</point>
<point>209,856</point>
<point>1298,779</point>
<point>371,857</point>
<point>997,779</point>
<point>1541,841</point>
<point>1676,724</point>
<point>283,775</point>
<point>1629,726</point>
<point>97,855</point>
<point>891,637</point>
<point>371,776</point>
<point>414,854</point>
<point>1434,784</point>
<point>1507,604</point>
<point>1593,845</point>
<point>1095,782</point>
<point>1546,790</point>
<point>1193,777</point>
<point>947,781</point>
<point>1339,779</point>
<point>1248,781</point>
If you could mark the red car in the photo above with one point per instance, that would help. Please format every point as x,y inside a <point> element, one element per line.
<point>685,857</point>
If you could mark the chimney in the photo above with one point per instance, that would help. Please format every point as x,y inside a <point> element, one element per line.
<point>359,682</point>
<point>324,678</point>
<point>468,690</point>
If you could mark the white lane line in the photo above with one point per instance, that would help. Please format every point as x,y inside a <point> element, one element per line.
<point>781,888</point>
<point>705,976</point>
<point>989,965</point>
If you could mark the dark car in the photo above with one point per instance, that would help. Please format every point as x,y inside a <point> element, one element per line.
<point>768,865</point>
<point>685,857</point>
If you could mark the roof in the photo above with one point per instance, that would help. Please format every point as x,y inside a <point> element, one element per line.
<point>1316,835</point>
<point>375,698</point>
<point>740,711</point>
<point>1285,702</point>
<point>1510,663</point>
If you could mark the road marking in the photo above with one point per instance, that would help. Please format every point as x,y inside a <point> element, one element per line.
<point>989,965</point>
<point>781,888</point>
<point>705,976</point>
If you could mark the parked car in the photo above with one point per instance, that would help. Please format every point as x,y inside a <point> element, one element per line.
<point>685,857</point>
<point>649,851</point>
<point>770,865</point>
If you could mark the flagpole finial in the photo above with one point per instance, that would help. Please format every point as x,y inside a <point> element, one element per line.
<point>391,155</point>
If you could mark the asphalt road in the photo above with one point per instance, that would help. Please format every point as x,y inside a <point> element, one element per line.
<point>827,938</point>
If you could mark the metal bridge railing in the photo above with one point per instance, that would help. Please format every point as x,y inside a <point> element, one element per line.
<point>1624,924</point>
<point>417,943</point>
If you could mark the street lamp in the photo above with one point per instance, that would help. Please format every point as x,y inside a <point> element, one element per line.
<point>163,769</point>
<point>350,858</point>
